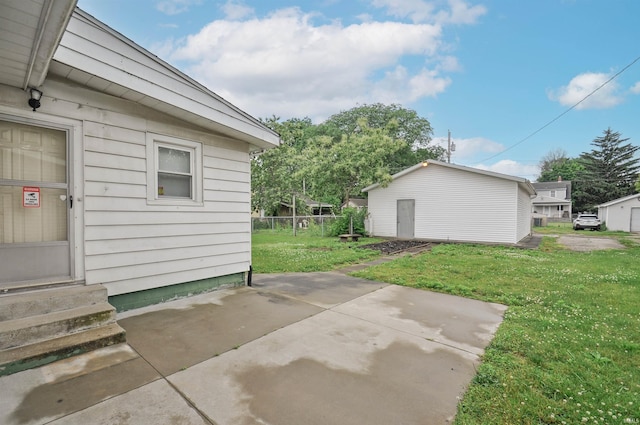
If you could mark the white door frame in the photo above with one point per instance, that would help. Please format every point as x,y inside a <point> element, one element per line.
<point>75,176</point>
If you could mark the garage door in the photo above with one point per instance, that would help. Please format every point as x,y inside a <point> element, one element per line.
<point>635,219</point>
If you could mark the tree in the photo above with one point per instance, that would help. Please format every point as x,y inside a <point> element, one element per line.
<point>557,165</point>
<point>352,163</point>
<point>610,171</point>
<point>277,174</point>
<point>397,122</point>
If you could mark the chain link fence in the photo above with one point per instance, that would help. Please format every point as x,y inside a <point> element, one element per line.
<point>312,224</point>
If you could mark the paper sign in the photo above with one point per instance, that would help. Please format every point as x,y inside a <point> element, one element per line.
<point>30,197</point>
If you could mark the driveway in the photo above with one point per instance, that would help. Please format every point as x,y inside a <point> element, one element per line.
<point>586,243</point>
<point>313,348</point>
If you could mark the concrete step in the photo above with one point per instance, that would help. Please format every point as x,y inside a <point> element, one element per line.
<point>16,305</point>
<point>25,357</point>
<point>29,330</point>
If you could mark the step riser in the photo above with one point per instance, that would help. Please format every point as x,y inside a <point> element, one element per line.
<point>20,305</point>
<point>32,334</point>
<point>67,350</point>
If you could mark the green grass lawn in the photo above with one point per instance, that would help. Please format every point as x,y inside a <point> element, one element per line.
<point>568,351</point>
<point>281,252</point>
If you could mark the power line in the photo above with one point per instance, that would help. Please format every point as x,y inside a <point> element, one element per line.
<point>565,112</point>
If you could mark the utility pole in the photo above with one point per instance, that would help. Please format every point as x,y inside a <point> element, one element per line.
<point>451,147</point>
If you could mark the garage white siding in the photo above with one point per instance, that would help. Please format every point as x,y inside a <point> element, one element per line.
<point>621,214</point>
<point>453,204</point>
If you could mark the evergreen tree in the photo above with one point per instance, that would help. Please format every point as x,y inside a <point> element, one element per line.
<point>610,172</point>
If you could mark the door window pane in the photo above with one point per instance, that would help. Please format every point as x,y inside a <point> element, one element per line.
<point>32,154</point>
<point>19,224</point>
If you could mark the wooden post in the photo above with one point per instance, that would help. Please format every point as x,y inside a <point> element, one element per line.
<point>294,215</point>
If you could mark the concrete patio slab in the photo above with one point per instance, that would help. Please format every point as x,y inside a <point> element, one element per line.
<point>318,348</point>
<point>157,403</point>
<point>331,369</point>
<point>459,322</point>
<point>176,335</point>
<point>323,289</point>
<point>38,396</point>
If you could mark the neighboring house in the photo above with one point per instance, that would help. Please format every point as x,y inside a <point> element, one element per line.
<point>130,176</point>
<point>315,207</point>
<point>445,202</point>
<point>357,203</point>
<point>621,214</point>
<point>553,199</point>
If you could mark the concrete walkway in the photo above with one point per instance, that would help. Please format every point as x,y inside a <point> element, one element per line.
<point>308,348</point>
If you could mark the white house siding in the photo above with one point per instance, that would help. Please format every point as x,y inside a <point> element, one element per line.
<point>128,244</point>
<point>524,214</point>
<point>131,246</point>
<point>450,204</point>
<point>618,215</point>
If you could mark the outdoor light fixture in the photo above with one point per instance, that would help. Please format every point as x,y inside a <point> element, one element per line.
<point>34,102</point>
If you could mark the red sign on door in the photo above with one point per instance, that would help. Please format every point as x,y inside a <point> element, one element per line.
<point>30,197</point>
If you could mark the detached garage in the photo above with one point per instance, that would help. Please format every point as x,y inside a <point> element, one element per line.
<point>445,202</point>
<point>621,214</point>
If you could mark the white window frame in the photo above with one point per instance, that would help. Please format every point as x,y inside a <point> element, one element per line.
<point>156,141</point>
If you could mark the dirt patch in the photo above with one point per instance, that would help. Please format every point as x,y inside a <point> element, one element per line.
<point>585,244</point>
<point>396,246</point>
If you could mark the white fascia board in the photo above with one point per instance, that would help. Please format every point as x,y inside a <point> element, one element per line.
<point>616,201</point>
<point>122,62</point>
<point>53,21</point>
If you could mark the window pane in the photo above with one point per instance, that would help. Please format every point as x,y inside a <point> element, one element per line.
<point>173,185</point>
<point>175,160</point>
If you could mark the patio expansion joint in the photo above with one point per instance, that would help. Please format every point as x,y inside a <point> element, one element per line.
<point>164,378</point>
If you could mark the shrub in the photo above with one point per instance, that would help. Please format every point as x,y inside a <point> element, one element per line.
<point>342,224</point>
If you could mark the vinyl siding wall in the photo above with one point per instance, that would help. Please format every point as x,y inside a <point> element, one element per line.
<point>134,246</point>
<point>524,214</point>
<point>451,204</point>
<point>125,243</point>
<point>618,216</point>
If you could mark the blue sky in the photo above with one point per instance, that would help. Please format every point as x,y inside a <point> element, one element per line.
<point>491,71</point>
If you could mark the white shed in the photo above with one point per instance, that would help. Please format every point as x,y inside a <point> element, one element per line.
<point>445,202</point>
<point>137,176</point>
<point>621,214</point>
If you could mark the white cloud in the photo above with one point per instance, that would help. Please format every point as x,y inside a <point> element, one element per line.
<point>584,84</point>
<point>284,64</point>
<point>462,13</point>
<point>512,168</point>
<point>636,88</point>
<point>416,10</point>
<point>174,7</point>
<point>425,11</point>
<point>235,10</point>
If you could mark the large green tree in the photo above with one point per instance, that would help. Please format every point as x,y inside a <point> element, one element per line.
<point>610,171</point>
<point>278,173</point>
<point>556,165</point>
<point>352,163</point>
<point>398,123</point>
